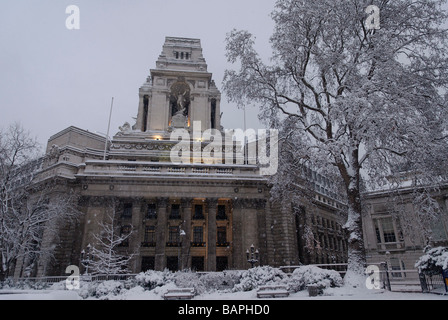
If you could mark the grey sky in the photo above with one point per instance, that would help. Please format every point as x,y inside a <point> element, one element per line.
<point>52,77</point>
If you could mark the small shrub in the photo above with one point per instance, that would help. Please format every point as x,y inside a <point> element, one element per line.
<point>312,275</point>
<point>433,261</point>
<point>188,279</point>
<point>108,288</point>
<point>225,280</point>
<point>151,279</point>
<point>259,276</point>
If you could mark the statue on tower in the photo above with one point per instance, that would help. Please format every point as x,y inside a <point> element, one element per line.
<point>179,101</point>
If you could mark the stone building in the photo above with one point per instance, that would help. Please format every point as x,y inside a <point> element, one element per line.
<point>202,211</point>
<point>394,234</point>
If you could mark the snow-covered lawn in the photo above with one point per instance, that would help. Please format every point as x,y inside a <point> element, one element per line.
<point>138,293</point>
<point>228,285</point>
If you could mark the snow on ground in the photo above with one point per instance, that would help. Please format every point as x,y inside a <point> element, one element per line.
<point>138,293</point>
<point>227,285</point>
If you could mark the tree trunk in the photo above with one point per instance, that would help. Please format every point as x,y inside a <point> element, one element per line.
<point>355,275</point>
<point>356,250</point>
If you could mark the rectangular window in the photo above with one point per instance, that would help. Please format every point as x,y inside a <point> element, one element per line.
<point>175,211</point>
<point>127,211</point>
<point>385,227</point>
<point>198,212</point>
<point>151,211</point>
<point>395,265</point>
<point>388,230</point>
<point>221,236</point>
<point>221,214</point>
<point>149,237</point>
<point>439,231</point>
<point>173,236</point>
<point>124,231</point>
<point>198,237</point>
<point>377,232</point>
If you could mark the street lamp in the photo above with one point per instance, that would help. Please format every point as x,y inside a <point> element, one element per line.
<point>179,246</point>
<point>85,258</point>
<point>252,256</point>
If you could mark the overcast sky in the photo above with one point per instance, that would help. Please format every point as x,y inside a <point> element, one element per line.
<point>52,77</point>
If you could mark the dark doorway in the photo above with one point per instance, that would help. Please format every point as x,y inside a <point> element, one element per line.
<point>172,263</point>
<point>221,263</point>
<point>148,263</point>
<point>197,263</point>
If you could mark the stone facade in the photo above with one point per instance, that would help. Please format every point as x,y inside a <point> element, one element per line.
<point>199,213</point>
<point>396,237</point>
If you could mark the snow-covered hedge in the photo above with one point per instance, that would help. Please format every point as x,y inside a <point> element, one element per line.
<point>156,283</point>
<point>433,261</point>
<point>151,279</point>
<point>24,284</point>
<point>312,275</point>
<point>259,276</point>
<point>222,281</point>
<point>108,288</point>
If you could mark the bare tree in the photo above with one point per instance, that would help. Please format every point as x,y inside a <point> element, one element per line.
<point>28,211</point>
<point>106,258</point>
<point>360,100</point>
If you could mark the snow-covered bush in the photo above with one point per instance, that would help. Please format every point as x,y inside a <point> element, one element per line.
<point>7,283</point>
<point>259,276</point>
<point>107,288</point>
<point>187,279</point>
<point>61,285</point>
<point>24,284</point>
<point>151,279</point>
<point>87,289</point>
<point>312,275</point>
<point>433,261</point>
<point>225,280</point>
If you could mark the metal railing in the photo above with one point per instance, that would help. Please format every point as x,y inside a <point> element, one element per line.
<point>435,283</point>
<point>398,280</point>
<point>88,278</point>
<point>339,267</point>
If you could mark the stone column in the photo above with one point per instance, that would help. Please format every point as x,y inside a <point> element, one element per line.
<point>162,212</point>
<point>260,205</point>
<point>237,236</point>
<point>211,234</point>
<point>186,239</point>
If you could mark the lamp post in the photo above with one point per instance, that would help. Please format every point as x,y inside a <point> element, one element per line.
<point>85,258</point>
<point>252,256</point>
<point>179,247</point>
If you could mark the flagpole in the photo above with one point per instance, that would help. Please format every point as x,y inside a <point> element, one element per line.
<point>245,142</point>
<point>108,127</point>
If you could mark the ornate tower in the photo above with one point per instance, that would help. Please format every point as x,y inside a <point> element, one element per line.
<point>179,90</point>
